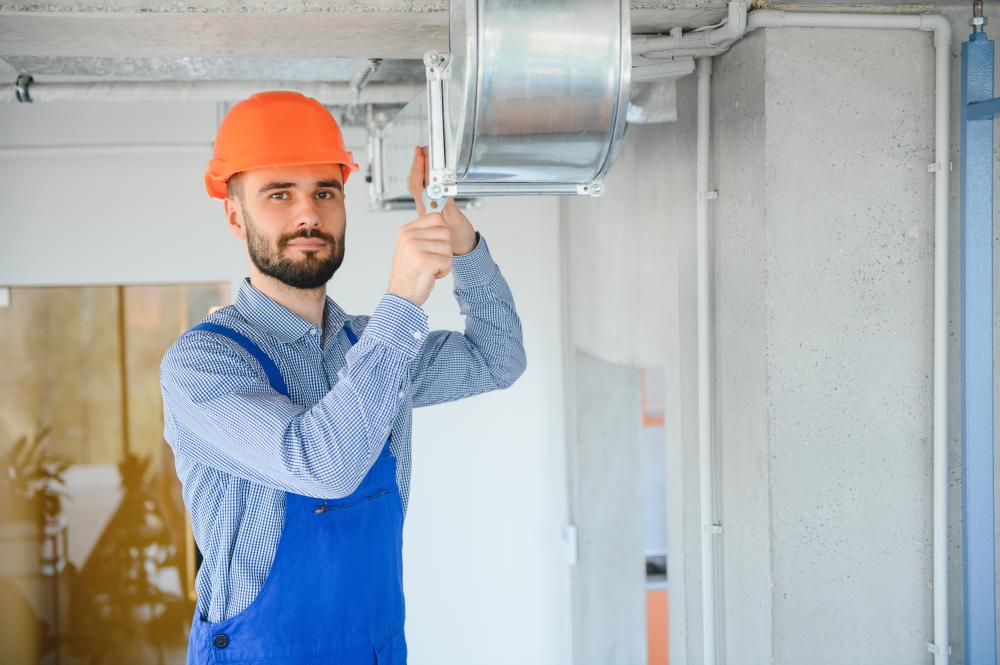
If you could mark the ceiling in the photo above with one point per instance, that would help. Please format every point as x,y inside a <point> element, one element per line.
<point>304,40</point>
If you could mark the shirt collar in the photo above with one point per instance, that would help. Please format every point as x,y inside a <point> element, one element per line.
<point>266,313</point>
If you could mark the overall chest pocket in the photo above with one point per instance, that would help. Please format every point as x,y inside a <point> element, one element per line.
<point>328,506</point>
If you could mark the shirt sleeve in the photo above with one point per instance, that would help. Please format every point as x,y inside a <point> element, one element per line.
<point>489,355</point>
<point>220,410</point>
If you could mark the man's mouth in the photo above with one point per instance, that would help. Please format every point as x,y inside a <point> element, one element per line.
<point>308,243</point>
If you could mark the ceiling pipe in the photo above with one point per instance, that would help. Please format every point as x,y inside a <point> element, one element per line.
<point>702,42</point>
<point>941,168</point>
<point>331,94</point>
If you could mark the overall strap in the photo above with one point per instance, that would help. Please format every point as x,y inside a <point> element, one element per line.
<point>350,333</point>
<point>273,375</point>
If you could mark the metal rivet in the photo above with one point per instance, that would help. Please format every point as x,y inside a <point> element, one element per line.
<point>22,86</point>
<point>221,641</point>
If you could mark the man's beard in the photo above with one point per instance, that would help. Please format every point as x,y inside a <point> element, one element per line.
<point>309,272</point>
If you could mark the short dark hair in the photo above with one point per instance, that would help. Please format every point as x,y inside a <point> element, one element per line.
<point>234,186</point>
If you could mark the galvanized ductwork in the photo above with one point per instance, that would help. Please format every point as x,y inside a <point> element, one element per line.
<point>532,99</point>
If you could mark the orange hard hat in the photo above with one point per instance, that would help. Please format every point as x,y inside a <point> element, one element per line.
<point>276,128</point>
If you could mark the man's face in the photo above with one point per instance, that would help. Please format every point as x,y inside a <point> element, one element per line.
<point>293,220</point>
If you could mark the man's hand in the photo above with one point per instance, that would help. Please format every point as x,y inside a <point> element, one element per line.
<point>463,236</point>
<point>423,256</point>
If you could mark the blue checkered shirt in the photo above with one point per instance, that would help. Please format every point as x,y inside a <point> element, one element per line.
<point>239,445</point>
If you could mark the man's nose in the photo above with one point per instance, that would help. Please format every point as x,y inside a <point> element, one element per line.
<point>307,212</point>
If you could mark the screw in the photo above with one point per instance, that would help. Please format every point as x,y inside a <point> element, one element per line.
<point>596,189</point>
<point>978,20</point>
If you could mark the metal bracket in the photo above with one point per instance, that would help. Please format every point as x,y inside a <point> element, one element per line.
<point>715,529</point>
<point>932,648</point>
<point>434,197</point>
<point>22,86</point>
<point>937,166</point>
<point>438,70</point>
<point>709,196</point>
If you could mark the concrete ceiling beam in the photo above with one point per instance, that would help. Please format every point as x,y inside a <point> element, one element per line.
<point>391,29</point>
<point>306,29</point>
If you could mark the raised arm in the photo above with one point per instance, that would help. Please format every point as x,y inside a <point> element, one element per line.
<point>489,355</point>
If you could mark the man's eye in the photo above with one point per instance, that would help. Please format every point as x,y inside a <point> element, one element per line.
<point>325,194</point>
<point>279,195</point>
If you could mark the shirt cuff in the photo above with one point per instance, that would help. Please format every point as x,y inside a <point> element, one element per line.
<point>476,267</point>
<point>398,323</point>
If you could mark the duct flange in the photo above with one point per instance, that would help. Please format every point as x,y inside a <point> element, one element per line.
<point>532,98</point>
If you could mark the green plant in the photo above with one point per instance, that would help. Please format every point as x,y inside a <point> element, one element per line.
<point>32,486</point>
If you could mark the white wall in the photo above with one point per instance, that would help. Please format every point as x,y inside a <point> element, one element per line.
<point>486,577</point>
<point>630,266</point>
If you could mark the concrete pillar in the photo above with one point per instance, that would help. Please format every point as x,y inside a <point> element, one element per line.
<point>823,233</point>
<point>609,601</point>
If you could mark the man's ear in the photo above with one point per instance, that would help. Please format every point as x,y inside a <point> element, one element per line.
<point>234,217</point>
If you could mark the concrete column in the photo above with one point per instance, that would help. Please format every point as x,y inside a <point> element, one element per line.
<point>824,240</point>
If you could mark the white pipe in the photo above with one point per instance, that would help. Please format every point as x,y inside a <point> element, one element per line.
<point>325,92</point>
<point>941,167</point>
<point>699,52</point>
<point>694,43</point>
<point>942,158</point>
<point>705,461</point>
<point>84,150</point>
<point>773,18</point>
<point>735,26</point>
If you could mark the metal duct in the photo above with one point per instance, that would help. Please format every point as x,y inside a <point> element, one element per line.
<point>532,99</point>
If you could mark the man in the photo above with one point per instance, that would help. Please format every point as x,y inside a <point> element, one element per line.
<point>290,419</point>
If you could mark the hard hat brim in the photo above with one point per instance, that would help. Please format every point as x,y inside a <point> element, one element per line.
<point>218,174</point>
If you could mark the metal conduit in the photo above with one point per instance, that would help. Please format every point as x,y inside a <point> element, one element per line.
<point>332,94</point>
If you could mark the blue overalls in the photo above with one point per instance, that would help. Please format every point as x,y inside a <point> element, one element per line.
<point>334,593</point>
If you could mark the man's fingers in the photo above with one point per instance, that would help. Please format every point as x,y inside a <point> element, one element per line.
<point>418,169</point>
<point>441,247</point>
<point>427,221</point>
<point>416,180</point>
<point>430,233</point>
<point>443,266</point>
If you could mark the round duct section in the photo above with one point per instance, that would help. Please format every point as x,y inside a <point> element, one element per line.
<point>539,89</point>
<point>532,99</point>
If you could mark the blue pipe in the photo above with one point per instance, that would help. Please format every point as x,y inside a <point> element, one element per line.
<point>978,501</point>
